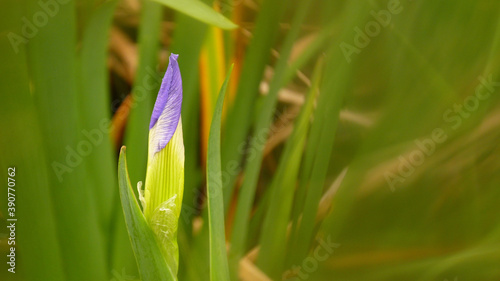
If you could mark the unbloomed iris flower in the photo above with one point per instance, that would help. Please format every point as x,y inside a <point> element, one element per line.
<point>164,184</point>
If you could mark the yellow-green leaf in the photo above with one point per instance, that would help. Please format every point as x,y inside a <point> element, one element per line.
<point>200,11</point>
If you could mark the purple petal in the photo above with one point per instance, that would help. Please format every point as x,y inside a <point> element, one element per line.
<point>167,109</point>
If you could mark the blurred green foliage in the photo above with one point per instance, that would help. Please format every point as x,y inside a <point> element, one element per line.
<point>406,97</point>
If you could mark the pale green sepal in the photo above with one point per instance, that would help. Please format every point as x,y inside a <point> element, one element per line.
<point>163,194</point>
<point>164,225</point>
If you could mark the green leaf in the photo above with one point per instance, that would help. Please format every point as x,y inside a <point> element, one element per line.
<point>219,269</point>
<point>322,137</point>
<point>53,81</point>
<point>199,11</point>
<point>152,264</point>
<point>262,124</point>
<point>36,232</point>
<point>310,52</point>
<point>187,41</point>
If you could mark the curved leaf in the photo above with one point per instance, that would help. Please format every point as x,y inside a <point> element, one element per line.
<point>151,263</point>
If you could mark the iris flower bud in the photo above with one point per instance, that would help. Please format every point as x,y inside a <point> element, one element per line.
<point>164,185</point>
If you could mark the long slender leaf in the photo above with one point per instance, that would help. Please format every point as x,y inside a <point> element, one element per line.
<point>219,270</point>
<point>239,116</point>
<point>94,105</point>
<point>151,263</point>
<point>309,53</point>
<point>200,11</point>
<point>274,231</point>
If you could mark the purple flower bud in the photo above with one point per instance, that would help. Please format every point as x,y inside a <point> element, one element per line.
<point>167,109</point>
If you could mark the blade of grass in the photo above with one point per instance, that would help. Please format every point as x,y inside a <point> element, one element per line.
<point>300,196</point>
<point>239,116</point>
<point>291,71</point>
<point>320,144</point>
<point>274,231</point>
<point>151,263</point>
<point>200,11</point>
<point>264,120</point>
<point>219,270</point>
<point>53,69</point>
